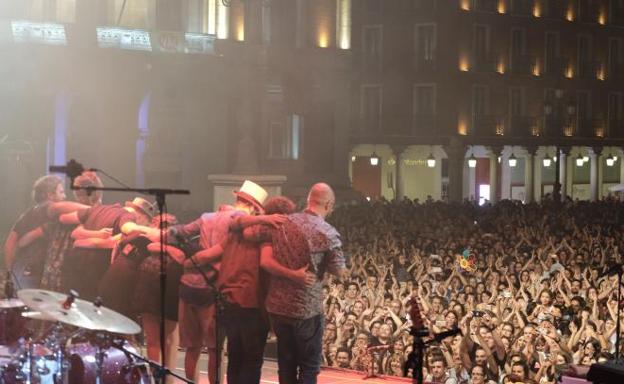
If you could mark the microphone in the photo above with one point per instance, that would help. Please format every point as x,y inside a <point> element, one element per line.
<point>72,169</point>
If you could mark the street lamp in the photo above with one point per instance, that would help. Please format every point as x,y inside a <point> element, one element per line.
<point>374,159</point>
<point>472,161</point>
<point>547,161</point>
<point>610,161</point>
<point>580,161</point>
<point>431,161</point>
<point>513,161</point>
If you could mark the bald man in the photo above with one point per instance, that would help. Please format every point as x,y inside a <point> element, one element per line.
<point>296,310</point>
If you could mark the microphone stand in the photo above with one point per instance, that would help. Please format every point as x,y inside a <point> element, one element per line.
<point>160,196</point>
<point>161,371</point>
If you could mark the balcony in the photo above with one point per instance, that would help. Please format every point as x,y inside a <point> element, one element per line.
<point>486,5</point>
<point>588,126</point>
<point>484,63</point>
<point>522,7</point>
<point>424,6</point>
<point>556,126</point>
<point>554,9</point>
<point>487,125</point>
<point>615,128</point>
<point>424,64</point>
<point>588,69</point>
<point>423,124</point>
<point>522,64</point>
<point>616,71</point>
<point>556,66</point>
<point>523,126</point>
<point>588,11</point>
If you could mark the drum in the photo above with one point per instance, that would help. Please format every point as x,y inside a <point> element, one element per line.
<point>12,324</point>
<point>117,367</point>
<point>16,365</point>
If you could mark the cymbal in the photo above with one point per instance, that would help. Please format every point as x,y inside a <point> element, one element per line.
<point>80,313</point>
<point>11,303</point>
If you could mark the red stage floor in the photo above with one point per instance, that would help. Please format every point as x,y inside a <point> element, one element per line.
<point>327,376</point>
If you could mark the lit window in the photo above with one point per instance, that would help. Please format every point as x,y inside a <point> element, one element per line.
<point>343,24</point>
<point>285,138</point>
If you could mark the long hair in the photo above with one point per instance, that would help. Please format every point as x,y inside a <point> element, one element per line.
<point>44,186</point>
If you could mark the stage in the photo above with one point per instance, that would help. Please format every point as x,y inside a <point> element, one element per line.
<point>327,375</point>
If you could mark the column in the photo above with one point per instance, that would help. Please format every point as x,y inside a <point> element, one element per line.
<point>495,152</point>
<point>528,174</point>
<point>594,180</point>
<point>399,186</point>
<point>456,153</point>
<point>505,178</point>
<point>563,169</point>
<point>537,176</point>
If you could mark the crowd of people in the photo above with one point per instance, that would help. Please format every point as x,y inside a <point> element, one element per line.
<point>538,299</point>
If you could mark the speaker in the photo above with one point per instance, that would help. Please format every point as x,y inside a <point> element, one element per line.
<point>611,372</point>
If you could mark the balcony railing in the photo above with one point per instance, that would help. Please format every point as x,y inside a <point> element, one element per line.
<point>484,63</point>
<point>616,71</point>
<point>522,7</point>
<point>487,125</point>
<point>556,66</point>
<point>424,6</point>
<point>588,69</point>
<point>557,126</point>
<point>522,64</point>
<point>588,126</point>
<point>424,124</point>
<point>588,11</point>
<point>424,64</point>
<point>486,5</point>
<point>554,9</point>
<point>615,128</point>
<point>522,126</point>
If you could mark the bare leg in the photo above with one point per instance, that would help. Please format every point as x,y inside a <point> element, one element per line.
<point>190,362</point>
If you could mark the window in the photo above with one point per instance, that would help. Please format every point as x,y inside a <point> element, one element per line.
<point>371,107</point>
<point>583,113</point>
<point>615,106</point>
<point>517,105</point>
<point>343,24</point>
<point>285,138</point>
<point>584,48</point>
<point>552,52</point>
<point>424,99</point>
<point>481,41</point>
<point>372,40</point>
<point>479,100</point>
<point>207,16</point>
<point>425,38</point>
<point>616,56</point>
<point>518,42</point>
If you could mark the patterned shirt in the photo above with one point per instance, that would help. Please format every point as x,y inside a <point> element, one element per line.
<point>306,238</point>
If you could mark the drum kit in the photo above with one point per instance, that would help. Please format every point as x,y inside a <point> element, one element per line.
<point>51,338</point>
